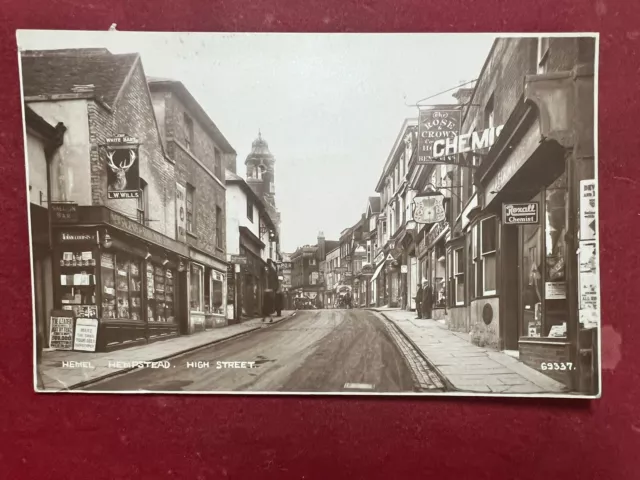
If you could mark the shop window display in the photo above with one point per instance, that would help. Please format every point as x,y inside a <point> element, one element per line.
<point>217,289</point>
<point>121,287</point>
<point>160,294</point>
<point>78,283</point>
<point>196,288</point>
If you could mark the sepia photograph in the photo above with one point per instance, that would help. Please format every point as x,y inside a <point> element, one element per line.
<point>336,214</point>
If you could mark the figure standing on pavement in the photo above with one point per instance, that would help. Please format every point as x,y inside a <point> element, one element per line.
<point>418,299</point>
<point>267,305</point>
<point>427,300</point>
<point>279,302</point>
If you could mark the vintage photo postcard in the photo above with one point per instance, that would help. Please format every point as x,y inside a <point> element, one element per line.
<point>386,214</point>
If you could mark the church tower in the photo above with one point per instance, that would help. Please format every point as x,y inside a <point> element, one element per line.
<point>260,165</point>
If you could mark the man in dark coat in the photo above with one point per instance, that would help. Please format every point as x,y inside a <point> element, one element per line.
<point>279,302</point>
<point>427,300</point>
<point>267,305</point>
<point>418,299</point>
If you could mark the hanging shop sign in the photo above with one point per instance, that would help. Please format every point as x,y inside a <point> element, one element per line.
<point>520,213</point>
<point>239,259</point>
<point>378,258</point>
<point>367,270</point>
<point>64,212</point>
<point>588,205</point>
<point>435,126</point>
<point>181,213</point>
<point>468,142</point>
<point>123,167</point>
<point>61,330</point>
<point>340,269</point>
<point>86,335</point>
<point>435,233</point>
<point>429,209</point>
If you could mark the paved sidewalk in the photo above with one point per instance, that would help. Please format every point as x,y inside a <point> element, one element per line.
<point>467,367</point>
<point>56,377</point>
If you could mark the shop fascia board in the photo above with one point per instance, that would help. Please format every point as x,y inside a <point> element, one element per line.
<point>101,216</point>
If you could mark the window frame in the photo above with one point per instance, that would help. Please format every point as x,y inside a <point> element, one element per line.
<point>188,131</point>
<point>482,254</point>
<point>542,54</point>
<point>201,269</point>
<point>219,228</point>
<point>458,264</point>
<point>143,202</point>
<point>249,210</point>
<point>190,208</point>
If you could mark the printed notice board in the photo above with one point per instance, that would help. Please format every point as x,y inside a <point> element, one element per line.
<point>86,335</point>
<point>61,329</point>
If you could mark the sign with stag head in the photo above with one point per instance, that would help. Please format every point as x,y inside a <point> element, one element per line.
<point>123,167</point>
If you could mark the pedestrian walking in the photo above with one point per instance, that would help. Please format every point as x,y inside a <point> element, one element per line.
<point>427,300</point>
<point>279,302</point>
<point>267,305</point>
<point>418,299</point>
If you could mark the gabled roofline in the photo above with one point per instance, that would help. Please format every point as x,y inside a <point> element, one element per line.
<point>408,122</point>
<point>185,95</point>
<point>255,198</point>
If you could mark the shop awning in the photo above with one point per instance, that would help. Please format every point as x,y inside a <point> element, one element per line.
<point>375,275</point>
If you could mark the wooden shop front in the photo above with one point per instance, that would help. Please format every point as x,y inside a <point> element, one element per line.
<point>126,276</point>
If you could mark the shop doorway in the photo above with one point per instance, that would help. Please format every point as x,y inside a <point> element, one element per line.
<point>510,297</point>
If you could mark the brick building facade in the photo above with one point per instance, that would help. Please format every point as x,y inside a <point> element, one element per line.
<point>120,264</point>
<point>200,153</point>
<point>515,287</point>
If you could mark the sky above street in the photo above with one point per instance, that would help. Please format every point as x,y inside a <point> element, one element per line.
<point>330,106</point>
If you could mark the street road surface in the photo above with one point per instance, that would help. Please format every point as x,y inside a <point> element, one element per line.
<point>314,351</point>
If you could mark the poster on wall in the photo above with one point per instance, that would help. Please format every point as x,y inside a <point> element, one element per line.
<point>61,330</point>
<point>123,167</point>
<point>588,207</point>
<point>588,291</point>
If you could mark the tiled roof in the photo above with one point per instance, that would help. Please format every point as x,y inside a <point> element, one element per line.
<point>93,72</point>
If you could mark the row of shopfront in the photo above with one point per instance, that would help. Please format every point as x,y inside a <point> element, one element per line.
<point>127,284</point>
<point>515,265</point>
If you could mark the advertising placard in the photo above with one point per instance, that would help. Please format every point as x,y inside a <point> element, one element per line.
<point>520,213</point>
<point>555,290</point>
<point>588,201</point>
<point>86,335</point>
<point>61,329</point>
<point>123,167</point>
<point>434,125</point>
<point>181,213</point>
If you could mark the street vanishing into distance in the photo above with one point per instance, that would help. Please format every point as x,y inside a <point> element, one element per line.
<point>313,351</point>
